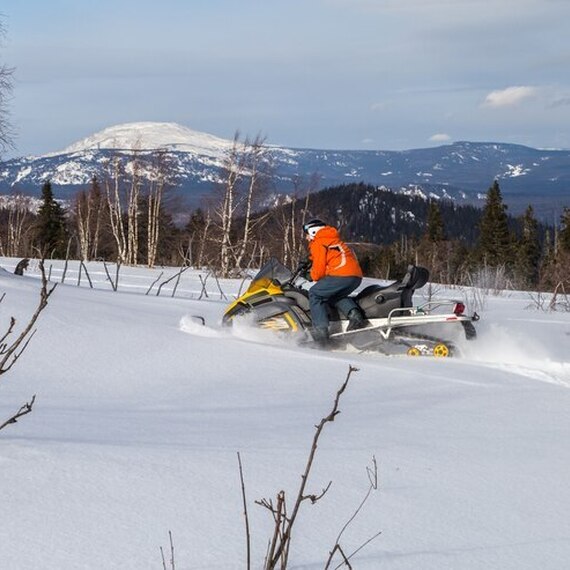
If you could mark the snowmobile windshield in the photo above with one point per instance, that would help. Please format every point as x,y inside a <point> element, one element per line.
<point>273,272</point>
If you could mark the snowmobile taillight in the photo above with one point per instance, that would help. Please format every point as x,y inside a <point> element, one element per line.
<point>459,309</point>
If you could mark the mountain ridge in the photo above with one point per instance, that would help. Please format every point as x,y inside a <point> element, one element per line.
<point>462,170</point>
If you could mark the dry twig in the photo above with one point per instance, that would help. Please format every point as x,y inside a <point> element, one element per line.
<point>24,410</point>
<point>278,552</point>
<point>372,473</point>
<point>172,563</point>
<point>247,533</point>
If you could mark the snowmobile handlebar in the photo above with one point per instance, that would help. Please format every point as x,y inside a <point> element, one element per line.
<point>302,268</point>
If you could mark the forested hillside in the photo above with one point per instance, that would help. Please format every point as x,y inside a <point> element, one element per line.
<point>134,224</point>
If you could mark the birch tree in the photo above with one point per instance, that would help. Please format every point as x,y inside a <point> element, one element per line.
<point>133,198</point>
<point>159,182</point>
<point>258,166</point>
<point>89,211</point>
<point>294,216</point>
<point>113,195</point>
<point>15,241</point>
<point>6,83</point>
<point>233,169</point>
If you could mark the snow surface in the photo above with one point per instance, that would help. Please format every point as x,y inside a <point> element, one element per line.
<point>151,136</point>
<point>140,412</point>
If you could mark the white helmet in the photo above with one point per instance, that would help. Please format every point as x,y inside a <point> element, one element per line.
<point>312,227</point>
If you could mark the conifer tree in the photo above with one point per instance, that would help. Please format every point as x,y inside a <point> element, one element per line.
<point>435,231</point>
<point>528,250</point>
<point>51,229</point>
<point>564,234</point>
<point>494,239</point>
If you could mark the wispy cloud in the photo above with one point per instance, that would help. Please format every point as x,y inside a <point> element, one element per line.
<point>510,96</point>
<point>440,137</point>
<point>560,102</point>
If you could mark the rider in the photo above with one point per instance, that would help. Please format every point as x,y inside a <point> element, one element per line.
<point>337,273</point>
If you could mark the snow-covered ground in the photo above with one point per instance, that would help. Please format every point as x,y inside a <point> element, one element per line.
<point>140,413</point>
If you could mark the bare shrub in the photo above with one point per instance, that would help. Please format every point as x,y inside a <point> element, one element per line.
<point>12,350</point>
<point>284,519</point>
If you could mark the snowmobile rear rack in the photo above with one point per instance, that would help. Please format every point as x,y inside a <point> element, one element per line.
<point>413,316</point>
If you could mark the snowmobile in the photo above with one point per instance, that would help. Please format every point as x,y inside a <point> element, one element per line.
<point>276,300</point>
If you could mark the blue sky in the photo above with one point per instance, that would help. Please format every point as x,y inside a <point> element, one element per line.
<point>343,74</point>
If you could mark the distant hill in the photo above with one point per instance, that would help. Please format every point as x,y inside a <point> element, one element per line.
<point>369,214</point>
<point>462,171</point>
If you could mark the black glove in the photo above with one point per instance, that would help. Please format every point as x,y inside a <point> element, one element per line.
<point>304,269</point>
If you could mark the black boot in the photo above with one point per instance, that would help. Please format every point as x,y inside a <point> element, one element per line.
<point>321,338</point>
<point>356,320</point>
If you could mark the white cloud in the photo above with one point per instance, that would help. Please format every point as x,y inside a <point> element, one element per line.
<point>509,96</point>
<point>440,137</point>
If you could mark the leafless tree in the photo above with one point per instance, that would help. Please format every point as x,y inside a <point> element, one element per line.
<point>113,181</point>
<point>133,201</point>
<point>233,172</point>
<point>246,172</point>
<point>259,172</point>
<point>11,349</point>
<point>159,181</point>
<point>123,187</point>
<point>293,214</point>
<point>89,210</point>
<point>15,238</point>
<point>6,82</point>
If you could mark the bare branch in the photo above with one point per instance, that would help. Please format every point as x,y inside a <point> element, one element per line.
<point>9,354</point>
<point>154,283</point>
<point>172,563</point>
<point>372,473</point>
<point>82,265</point>
<point>115,283</point>
<point>337,548</point>
<point>247,533</point>
<point>177,275</point>
<point>314,498</point>
<point>24,410</point>
<point>364,544</point>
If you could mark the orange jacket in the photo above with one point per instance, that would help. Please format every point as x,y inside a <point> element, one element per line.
<point>331,256</point>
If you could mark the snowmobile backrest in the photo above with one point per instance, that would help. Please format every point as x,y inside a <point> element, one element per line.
<point>420,277</point>
<point>416,278</point>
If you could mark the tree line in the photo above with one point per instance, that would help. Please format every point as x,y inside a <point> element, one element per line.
<point>127,215</point>
<point>460,244</point>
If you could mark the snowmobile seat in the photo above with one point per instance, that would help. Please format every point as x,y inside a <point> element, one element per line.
<point>377,301</point>
<point>300,297</point>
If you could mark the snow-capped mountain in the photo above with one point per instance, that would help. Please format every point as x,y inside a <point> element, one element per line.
<point>462,170</point>
<point>151,136</point>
